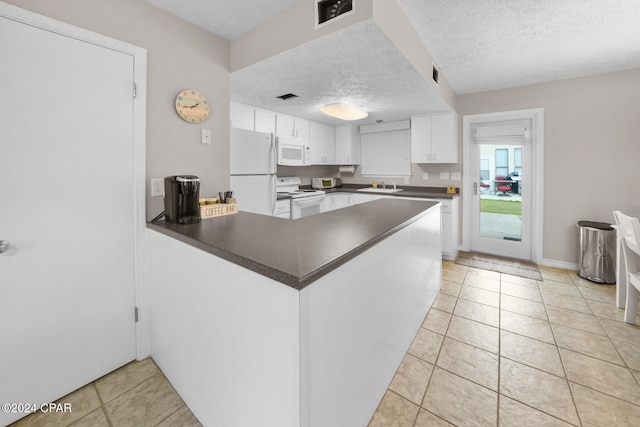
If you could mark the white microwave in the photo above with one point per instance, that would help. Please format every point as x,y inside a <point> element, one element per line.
<point>293,152</point>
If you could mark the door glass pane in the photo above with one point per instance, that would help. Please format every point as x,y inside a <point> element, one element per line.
<point>500,193</point>
<point>502,161</point>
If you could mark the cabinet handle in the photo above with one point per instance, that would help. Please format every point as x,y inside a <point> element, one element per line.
<point>429,156</point>
<point>435,157</point>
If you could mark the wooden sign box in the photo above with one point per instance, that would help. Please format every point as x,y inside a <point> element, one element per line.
<point>218,209</point>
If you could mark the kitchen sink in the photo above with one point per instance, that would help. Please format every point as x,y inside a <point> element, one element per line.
<point>380,190</point>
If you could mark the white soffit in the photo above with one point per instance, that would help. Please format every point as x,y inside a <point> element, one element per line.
<point>482,45</point>
<point>358,65</point>
<point>229,19</point>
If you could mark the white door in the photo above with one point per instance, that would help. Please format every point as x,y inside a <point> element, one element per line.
<point>501,204</point>
<point>67,211</point>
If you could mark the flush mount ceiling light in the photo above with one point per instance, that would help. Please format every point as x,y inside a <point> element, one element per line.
<point>343,111</point>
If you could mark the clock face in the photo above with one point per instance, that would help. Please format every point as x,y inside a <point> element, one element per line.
<point>329,9</point>
<point>192,106</point>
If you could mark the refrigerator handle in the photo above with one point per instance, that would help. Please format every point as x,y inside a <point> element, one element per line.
<point>274,194</point>
<point>274,156</point>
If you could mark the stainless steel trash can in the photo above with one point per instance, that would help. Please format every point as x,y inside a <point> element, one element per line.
<point>597,252</point>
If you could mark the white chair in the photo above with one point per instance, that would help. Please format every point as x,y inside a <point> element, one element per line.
<point>629,239</point>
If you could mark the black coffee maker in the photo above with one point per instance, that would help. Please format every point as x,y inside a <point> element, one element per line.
<point>181,199</point>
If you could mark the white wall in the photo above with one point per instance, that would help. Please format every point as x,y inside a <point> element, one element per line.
<point>592,149</point>
<point>180,56</point>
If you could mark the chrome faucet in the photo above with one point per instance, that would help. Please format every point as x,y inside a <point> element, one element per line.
<point>383,184</point>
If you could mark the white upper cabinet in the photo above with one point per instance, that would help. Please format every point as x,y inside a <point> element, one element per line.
<point>329,145</point>
<point>322,143</point>
<point>265,121</point>
<point>347,145</point>
<point>241,116</point>
<point>434,138</point>
<point>291,127</point>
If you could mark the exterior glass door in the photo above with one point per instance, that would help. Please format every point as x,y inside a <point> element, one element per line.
<point>501,203</point>
<point>500,209</point>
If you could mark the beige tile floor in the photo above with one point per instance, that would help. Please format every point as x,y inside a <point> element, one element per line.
<point>136,395</point>
<point>493,350</point>
<point>501,350</point>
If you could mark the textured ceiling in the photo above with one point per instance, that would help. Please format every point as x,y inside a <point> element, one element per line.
<point>227,18</point>
<point>478,45</point>
<point>371,74</point>
<point>489,44</point>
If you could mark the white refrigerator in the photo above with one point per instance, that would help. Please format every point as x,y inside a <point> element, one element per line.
<point>253,171</point>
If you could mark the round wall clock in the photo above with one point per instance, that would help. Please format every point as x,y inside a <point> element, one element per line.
<point>192,106</point>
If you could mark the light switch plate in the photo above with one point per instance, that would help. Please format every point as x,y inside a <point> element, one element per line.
<point>205,136</point>
<point>455,176</point>
<point>444,175</point>
<point>425,176</point>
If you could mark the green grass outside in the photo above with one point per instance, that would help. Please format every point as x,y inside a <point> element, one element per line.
<point>509,207</point>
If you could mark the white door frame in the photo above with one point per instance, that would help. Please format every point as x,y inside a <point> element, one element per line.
<point>536,115</point>
<point>139,148</point>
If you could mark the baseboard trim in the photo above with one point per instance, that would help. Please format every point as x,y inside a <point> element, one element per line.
<point>560,264</point>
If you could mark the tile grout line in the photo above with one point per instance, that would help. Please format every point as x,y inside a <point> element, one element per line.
<point>435,362</point>
<point>564,370</point>
<point>569,281</point>
<point>437,357</point>
<point>103,406</point>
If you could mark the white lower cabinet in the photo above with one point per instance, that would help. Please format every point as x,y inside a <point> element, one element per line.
<point>450,228</point>
<point>339,200</point>
<point>450,217</point>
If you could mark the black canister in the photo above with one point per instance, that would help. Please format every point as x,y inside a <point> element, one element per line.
<point>181,199</point>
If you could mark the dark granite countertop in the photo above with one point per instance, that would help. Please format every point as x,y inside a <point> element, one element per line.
<point>407,191</point>
<point>297,252</point>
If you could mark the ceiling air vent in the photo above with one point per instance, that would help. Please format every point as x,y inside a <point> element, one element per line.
<point>331,9</point>
<point>287,96</point>
<point>435,74</point>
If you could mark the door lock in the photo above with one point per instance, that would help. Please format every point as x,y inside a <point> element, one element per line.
<point>475,188</point>
<point>4,246</point>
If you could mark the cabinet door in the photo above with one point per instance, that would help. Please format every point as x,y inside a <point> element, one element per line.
<point>347,145</point>
<point>301,128</point>
<point>265,121</point>
<point>241,116</point>
<point>421,139</point>
<point>340,200</point>
<point>284,126</point>
<point>329,146</point>
<point>444,138</point>
<point>316,143</point>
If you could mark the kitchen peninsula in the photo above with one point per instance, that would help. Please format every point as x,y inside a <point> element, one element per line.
<point>266,321</point>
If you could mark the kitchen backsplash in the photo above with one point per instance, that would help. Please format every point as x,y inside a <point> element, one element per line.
<point>417,170</point>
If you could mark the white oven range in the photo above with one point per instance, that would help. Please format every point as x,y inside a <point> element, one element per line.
<point>304,202</point>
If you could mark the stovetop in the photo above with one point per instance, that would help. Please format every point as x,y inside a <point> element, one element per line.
<point>290,186</point>
<point>305,193</point>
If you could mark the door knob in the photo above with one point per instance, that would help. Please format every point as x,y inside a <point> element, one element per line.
<point>4,245</point>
